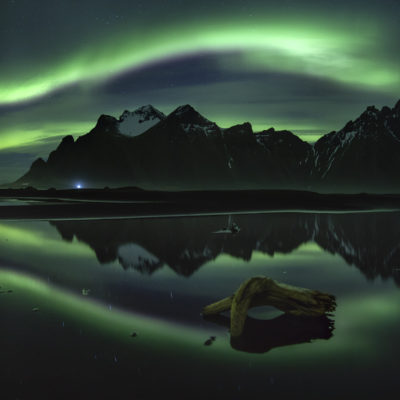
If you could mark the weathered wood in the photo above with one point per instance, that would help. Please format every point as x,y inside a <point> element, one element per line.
<point>262,291</point>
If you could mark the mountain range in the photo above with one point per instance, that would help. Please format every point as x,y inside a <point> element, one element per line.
<point>184,150</point>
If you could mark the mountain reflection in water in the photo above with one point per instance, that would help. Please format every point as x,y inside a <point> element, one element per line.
<point>369,241</point>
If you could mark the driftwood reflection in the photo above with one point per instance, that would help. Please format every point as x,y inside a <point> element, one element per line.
<point>260,336</point>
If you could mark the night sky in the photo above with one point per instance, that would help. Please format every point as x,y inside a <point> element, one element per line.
<point>307,66</point>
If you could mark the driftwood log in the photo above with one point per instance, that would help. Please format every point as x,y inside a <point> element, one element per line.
<point>263,291</point>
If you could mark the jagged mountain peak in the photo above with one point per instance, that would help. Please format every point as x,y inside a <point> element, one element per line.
<point>38,163</point>
<point>105,120</point>
<point>187,113</point>
<point>370,110</point>
<point>145,113</point>
<point>370,124</point>
<point>269,131</point>
<point>183,110</point>
<point>148,108</point>
<point>67,141</point>
<point>370,115</point>
<point>364,153</point>
<point>105,124</point>
<point>191,121</point>
<point>244,128</point>
<point>38,167</point>
<point>272,137</point>
<point>373,114</point>
<point>240,133</point>
<point>134,123</point>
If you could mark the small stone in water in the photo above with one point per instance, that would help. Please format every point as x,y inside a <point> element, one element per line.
<point>35,309</point>
<point>133,334</point>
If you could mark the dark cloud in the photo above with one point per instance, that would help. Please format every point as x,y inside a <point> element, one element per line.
<point>191,70</point>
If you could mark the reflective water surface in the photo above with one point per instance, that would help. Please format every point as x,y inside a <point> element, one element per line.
<point>111,308</point>
<point>17,202</point>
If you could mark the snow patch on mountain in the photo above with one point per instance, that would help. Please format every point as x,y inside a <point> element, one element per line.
<point>134,123</point>
<point>196,255</point>
<point>202,129</point>
<point>347,138</point>
<point>134,256</point>
<point>347,248</point>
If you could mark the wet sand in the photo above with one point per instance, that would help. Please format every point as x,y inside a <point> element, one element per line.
<point>94,203</point>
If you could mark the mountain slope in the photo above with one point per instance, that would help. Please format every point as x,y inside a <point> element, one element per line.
<point>364,155</point>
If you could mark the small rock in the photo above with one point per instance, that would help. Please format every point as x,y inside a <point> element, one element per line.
<point>208,342</point>
<point>35,309</point>
<point>133,334</point>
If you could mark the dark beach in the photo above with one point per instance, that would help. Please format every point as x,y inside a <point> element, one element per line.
<point>125,202</point>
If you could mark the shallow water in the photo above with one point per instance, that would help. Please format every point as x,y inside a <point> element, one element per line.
<point>81,288</point>
<point>17,202</point>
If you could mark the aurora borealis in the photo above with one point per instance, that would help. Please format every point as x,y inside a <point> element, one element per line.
<point>308,66</point>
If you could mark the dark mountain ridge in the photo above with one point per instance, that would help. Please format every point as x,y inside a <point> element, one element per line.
<point>184,150</point>
<point>365,153</point>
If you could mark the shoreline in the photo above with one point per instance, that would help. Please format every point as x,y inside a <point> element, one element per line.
<point>136,203</point>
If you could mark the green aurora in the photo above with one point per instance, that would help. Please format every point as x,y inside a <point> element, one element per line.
<point>289,46</point>
<point>308,67</point>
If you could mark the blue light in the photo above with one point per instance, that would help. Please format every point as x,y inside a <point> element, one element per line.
<point>78,186</point>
